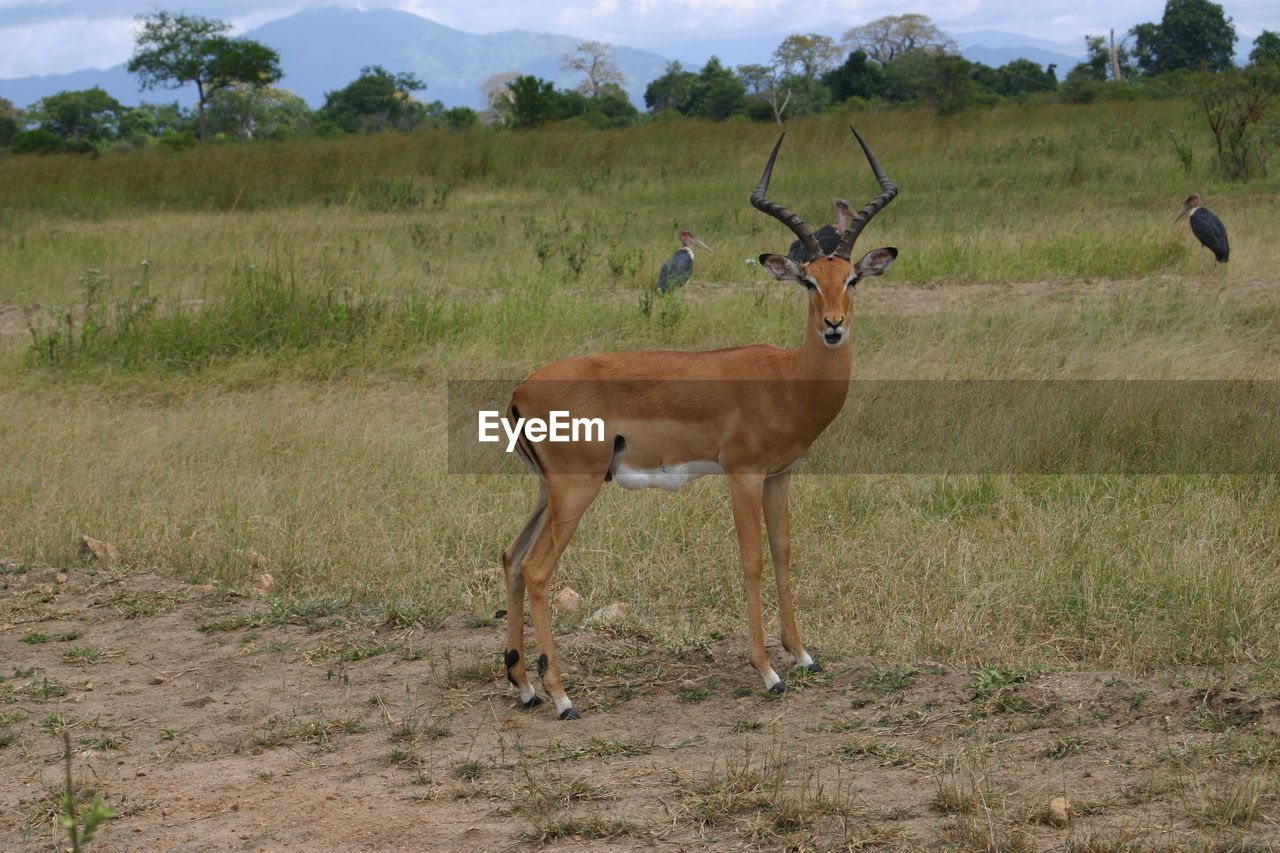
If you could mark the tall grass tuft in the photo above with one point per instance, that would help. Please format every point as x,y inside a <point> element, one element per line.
<point>260,311</point>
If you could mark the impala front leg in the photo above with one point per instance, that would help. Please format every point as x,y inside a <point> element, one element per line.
<point>747,491</point>
<point>777,521</point>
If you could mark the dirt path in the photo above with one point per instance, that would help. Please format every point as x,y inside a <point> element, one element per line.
<point>213,720</point>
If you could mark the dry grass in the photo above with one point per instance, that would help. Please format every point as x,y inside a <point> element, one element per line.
<point>330,459</point>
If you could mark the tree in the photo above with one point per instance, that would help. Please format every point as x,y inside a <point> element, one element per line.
<point>454,118</point>
<point>375,101</point>
<point>595,60</point>
<point>1192,34</point>
<point>257,112</point>
<point>37,141</point>
<point>1240,106</point>
<point>948,85</point>
<point>498,95</point>
<point>89,116</point>
<point>11,121</point>
<point>674,90</point>
<point>856,78</point>
<point>807,55</point>
<point>533,101</point>
<point>173,50</point>
<point>715,92</point>
<point>885,39</point>
<point>767,97</point>
<point>1266,47</point>
<point>1098,66</point>
<point>719,93</point>
<point>148,121</point>
<point>1022,77</point>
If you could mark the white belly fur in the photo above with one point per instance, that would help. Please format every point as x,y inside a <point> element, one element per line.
<point>667,477</point>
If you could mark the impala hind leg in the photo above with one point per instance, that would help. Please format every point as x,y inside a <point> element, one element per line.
<point>511,560</point>
<point>747,494</point>
<point>568,498</point>
<point>777,521</point>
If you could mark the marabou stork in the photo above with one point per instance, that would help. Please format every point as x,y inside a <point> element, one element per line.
<point>676,271</point>
<point>828,235</point>
<point>1208,228</point>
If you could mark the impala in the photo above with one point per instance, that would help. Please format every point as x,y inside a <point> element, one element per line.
<point>673,416</point>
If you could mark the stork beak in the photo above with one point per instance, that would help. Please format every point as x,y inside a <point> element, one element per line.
<point>701,245</point>
<point>1182,213</point>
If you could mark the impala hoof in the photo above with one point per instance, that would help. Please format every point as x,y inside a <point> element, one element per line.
<point>815,667</point>
<point>570,714</point>
<point>780,687</point>
<point>532,703</point>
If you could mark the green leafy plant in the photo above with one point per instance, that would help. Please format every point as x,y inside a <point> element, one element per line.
<point>80,821</point>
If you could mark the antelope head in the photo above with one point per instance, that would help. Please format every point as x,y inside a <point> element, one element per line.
<point>830,279</point>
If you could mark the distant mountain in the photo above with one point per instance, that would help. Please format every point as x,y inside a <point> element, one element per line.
<point>324,49</point>
<point>996,48</point>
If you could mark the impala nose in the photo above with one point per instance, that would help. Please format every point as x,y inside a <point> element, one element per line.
<point>834,334</point>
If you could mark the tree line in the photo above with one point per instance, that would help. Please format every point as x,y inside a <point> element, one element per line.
<point>892,61</point>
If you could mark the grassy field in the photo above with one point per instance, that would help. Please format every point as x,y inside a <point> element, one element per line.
<point>244,349</point>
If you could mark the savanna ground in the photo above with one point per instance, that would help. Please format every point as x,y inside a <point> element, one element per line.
<point>232,360</point>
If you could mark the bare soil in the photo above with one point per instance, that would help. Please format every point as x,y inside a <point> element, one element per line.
<point>212,719</point>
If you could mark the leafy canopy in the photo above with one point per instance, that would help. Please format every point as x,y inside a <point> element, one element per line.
<point>174,50</point>
<point>1192,34</point>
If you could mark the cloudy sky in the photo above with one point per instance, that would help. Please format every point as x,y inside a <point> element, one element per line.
<point>50,36</point>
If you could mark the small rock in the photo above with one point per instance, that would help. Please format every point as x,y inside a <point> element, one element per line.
<point>98,551</point>
<point>166,811</point>
<point>264,584</point>
<point>60,577</point>
<point>1059,813</point>
<point>568,600</point>
<point>688,684</point>
<point>612,613</point>
<point>157,679</point>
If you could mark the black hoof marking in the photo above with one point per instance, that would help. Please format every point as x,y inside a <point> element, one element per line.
<point>570,714</point>
<point>780,687</point>
<point>533,703</point>
<point>542,665</point>
<point>816,667</point>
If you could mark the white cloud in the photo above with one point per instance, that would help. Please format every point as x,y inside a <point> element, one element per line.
<point>66,44</point>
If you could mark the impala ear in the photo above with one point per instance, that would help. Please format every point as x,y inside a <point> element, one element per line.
<point>875,262</point>
<point>782,268</point>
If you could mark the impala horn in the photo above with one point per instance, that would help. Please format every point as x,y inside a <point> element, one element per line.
<point>862,217</point>
<point>777,211</point>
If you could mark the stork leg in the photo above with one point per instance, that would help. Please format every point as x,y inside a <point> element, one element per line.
<point>777,521</point>
<point>747,494</point>
<point>568,496</point>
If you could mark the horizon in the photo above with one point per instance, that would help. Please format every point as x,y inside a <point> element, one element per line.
<point>50,38</point>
